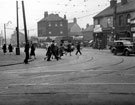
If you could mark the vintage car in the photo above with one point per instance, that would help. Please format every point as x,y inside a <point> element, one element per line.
<point>124,47</point>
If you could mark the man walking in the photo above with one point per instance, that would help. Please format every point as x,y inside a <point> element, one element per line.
<point>52,51</point>
<point>26,50</point>
<point>78,47</point>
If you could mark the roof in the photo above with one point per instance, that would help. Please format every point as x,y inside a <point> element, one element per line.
<point>74,29</point>
<point>90,28</point>
<point>120,8</point>
<point>70,25</point>
<point>52,17</point>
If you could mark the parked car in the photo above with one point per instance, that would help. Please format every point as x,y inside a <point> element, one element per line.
<point>124,47</point>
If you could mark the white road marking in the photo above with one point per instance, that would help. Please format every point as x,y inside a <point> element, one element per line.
<point>44,84</point>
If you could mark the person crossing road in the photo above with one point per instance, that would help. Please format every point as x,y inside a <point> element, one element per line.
<point>78,47</point>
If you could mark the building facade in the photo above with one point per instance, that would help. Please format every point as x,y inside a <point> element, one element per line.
<point>13,39</point>
<point>75,31</point>
<point>114,22</point>
<point>88,33</point>
<point>52,25</point>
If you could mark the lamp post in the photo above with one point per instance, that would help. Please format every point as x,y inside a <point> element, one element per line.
<point>6,24</point>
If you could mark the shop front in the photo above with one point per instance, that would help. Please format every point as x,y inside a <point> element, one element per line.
<point>133,29</point>
<point>99,38</point>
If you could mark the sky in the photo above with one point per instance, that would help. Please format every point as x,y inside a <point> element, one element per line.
<point>83,10</point>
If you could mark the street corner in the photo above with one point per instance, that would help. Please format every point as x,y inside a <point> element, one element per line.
<point>11,59</point>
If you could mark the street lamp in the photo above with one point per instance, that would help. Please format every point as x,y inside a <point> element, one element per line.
<point>6,24</point>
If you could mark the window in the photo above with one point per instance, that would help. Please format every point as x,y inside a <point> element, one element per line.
<point>98,21</point>
<point>61,24</point>
<point>61,32</point>
<point>121,20</point>
<point>50,32</point>
<point>128,18</point>
<point>56,24</point>
<point>108,21</point>
<point>49,25</point>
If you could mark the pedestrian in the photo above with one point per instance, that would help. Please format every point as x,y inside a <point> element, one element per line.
<point>10,48</point>
<point>61,50</point>
<point>78,47</point>
<point>4,48</point>
<point>54,50</point>
<point>26,50</point>
<point>48,53</point>
<point>32,53</point>
<point>69,48</point>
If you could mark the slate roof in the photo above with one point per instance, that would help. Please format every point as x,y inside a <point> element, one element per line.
<point>75,31</point>
<point>70,25</point>
<point>120,8</point>
<point>52,17</point>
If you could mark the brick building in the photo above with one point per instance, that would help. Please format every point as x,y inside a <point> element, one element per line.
<point>52,25</point>
<point>104,22</point>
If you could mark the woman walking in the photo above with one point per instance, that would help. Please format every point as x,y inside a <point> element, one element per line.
<point>32,53</point>
<point>10,48</point>
<point>4,49</point>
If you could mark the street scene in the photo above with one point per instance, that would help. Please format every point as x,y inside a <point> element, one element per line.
<point>82,79</point>
<point>62,53</point>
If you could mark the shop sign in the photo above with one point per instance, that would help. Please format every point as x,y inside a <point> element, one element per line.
<point>132,21</point>
<point>78,37</point>
<point>98,28</point>
<point>132,28</point>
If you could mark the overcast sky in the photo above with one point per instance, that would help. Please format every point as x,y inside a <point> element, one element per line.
<point>83,10</point>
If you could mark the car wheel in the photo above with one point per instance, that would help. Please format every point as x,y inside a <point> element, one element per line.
<point>127,53</point>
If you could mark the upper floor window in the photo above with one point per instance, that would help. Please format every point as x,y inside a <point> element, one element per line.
<point>128,19</point>
<point>98,21</point>
<point>61,24</point>
<point>108,21</point>
<point>50,25</point>
<point>121,20</point>
<point>56,24</point>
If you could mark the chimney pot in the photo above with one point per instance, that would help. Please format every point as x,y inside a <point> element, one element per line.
<point>75,20</point>
<point>45,14</point>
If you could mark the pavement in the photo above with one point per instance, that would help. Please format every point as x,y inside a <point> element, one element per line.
<point>11,59</point>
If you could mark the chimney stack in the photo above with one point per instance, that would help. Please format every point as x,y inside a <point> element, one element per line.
<point>87,25</point>
<point>45,14</point>
<point>113,3</point>
<point>65,17</point>
<point>123,2</point>
<point>75,20</point>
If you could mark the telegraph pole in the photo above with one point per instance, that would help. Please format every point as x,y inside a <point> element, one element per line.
<point>114,20</point>
<point>5,32</point>
<point>25,27</point>
<point>17,31</point>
